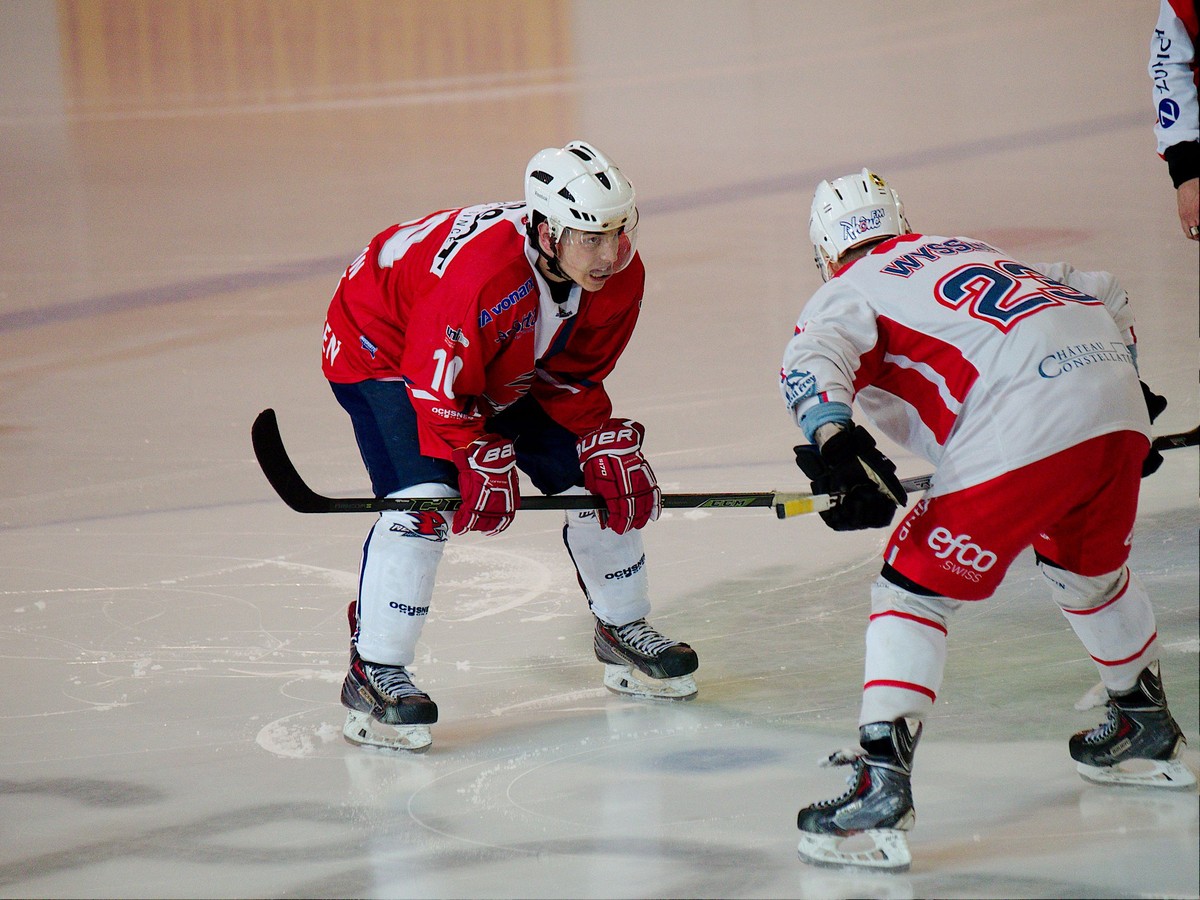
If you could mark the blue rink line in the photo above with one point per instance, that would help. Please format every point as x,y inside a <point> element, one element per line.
<point>801,181</point>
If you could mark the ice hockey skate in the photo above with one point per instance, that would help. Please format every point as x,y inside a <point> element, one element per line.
<point>385,708</point>
<point>640,662</point>
<point>865,827</point>
<point>1137,744</point>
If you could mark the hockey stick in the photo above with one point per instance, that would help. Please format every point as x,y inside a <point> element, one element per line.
<point>273,458</point>
<point>277,466</point>
<point>1175,441</point>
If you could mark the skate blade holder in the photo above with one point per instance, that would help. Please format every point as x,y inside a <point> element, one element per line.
<point>1170,774</point>
<point>629,681</point>
<point>880,849</point>
<point>365,730</point>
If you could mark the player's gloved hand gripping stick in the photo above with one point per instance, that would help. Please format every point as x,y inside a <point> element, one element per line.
<point>487,480</point>
<point>615,470</point>
<point>848,463</point>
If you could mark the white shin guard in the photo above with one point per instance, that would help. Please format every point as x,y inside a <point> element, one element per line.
<point>906,653</point>
<point>1112,616</point>
<point>611,566</point>
<point>399,567</point>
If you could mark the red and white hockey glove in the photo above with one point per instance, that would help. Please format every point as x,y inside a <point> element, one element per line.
<point>615,470</point>
<point>487,480</point>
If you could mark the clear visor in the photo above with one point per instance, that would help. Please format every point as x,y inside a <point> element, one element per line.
<point>607,251</point>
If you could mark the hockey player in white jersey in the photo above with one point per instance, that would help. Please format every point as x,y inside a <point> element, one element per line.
<point>1019,384</point>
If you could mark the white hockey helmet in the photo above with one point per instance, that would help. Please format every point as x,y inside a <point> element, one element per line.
<point>849,211</point>
<point>578,187</point>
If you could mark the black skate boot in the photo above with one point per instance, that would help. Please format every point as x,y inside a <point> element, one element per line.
<point>1139,743</point>
<point>385,708</point>
<point>878,804</point>
<point>642,663</point>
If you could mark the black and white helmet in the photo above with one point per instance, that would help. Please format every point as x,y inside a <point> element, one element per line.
<point>578,187</point>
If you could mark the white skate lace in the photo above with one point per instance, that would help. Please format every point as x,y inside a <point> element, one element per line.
<point>844,757</point>
<point>1105,729</point>
<point>853,757</point>
<point>642,638</point>
<point>392,681</point>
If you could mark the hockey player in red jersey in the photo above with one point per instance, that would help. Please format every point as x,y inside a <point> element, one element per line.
<point>469,344</point>
<point>1019,384</point>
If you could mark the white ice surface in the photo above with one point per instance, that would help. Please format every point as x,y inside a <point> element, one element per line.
<point>172,638</point>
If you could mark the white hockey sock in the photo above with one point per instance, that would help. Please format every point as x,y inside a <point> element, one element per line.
<point>611,566</point>
<point>1112,616</point>
<point>906,653</point>
<point>399,566</point>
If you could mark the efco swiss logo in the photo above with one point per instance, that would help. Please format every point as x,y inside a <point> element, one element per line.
<point>963,557</point>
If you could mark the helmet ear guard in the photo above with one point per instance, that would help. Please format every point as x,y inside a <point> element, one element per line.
<point>850,211</point>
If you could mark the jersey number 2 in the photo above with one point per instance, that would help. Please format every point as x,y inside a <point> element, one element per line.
<point>1004,293</point>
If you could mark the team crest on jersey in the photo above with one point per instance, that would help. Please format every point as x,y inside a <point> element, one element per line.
<point>427,525</point>
<point>455,336</point>
<point>518,388</point>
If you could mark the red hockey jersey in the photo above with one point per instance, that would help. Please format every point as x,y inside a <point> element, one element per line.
<point>453,306</point>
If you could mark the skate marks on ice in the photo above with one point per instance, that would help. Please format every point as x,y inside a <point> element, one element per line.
<point>481,588</point>
<point>113,644</point>
<point>623,801</point>
<point>235,851</point>
<point>701,809</point>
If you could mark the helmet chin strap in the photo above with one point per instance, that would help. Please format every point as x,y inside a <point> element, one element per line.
<point>554,268</point>
<point>552,265</point>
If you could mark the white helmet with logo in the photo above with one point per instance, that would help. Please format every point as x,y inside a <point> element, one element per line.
<point>578,187</point>
<point>849,211</point>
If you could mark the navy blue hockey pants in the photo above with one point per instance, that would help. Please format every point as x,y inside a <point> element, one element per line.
<point>385,426</point>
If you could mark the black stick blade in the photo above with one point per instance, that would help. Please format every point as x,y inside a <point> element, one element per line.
<point>274,461</point>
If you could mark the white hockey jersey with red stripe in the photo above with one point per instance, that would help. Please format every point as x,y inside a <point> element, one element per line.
<point>974,361</point>
<point>454,306</point>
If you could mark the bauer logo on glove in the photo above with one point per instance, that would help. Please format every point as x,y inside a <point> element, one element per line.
<point>615,470</point>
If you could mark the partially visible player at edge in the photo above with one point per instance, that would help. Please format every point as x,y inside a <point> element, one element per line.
<point>1018,383</point>
<point>466,345</point>
<point>1173,69</point>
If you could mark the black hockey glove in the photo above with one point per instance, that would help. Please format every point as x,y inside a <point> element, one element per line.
<point>849,464</point>
<point>1155,404</point>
